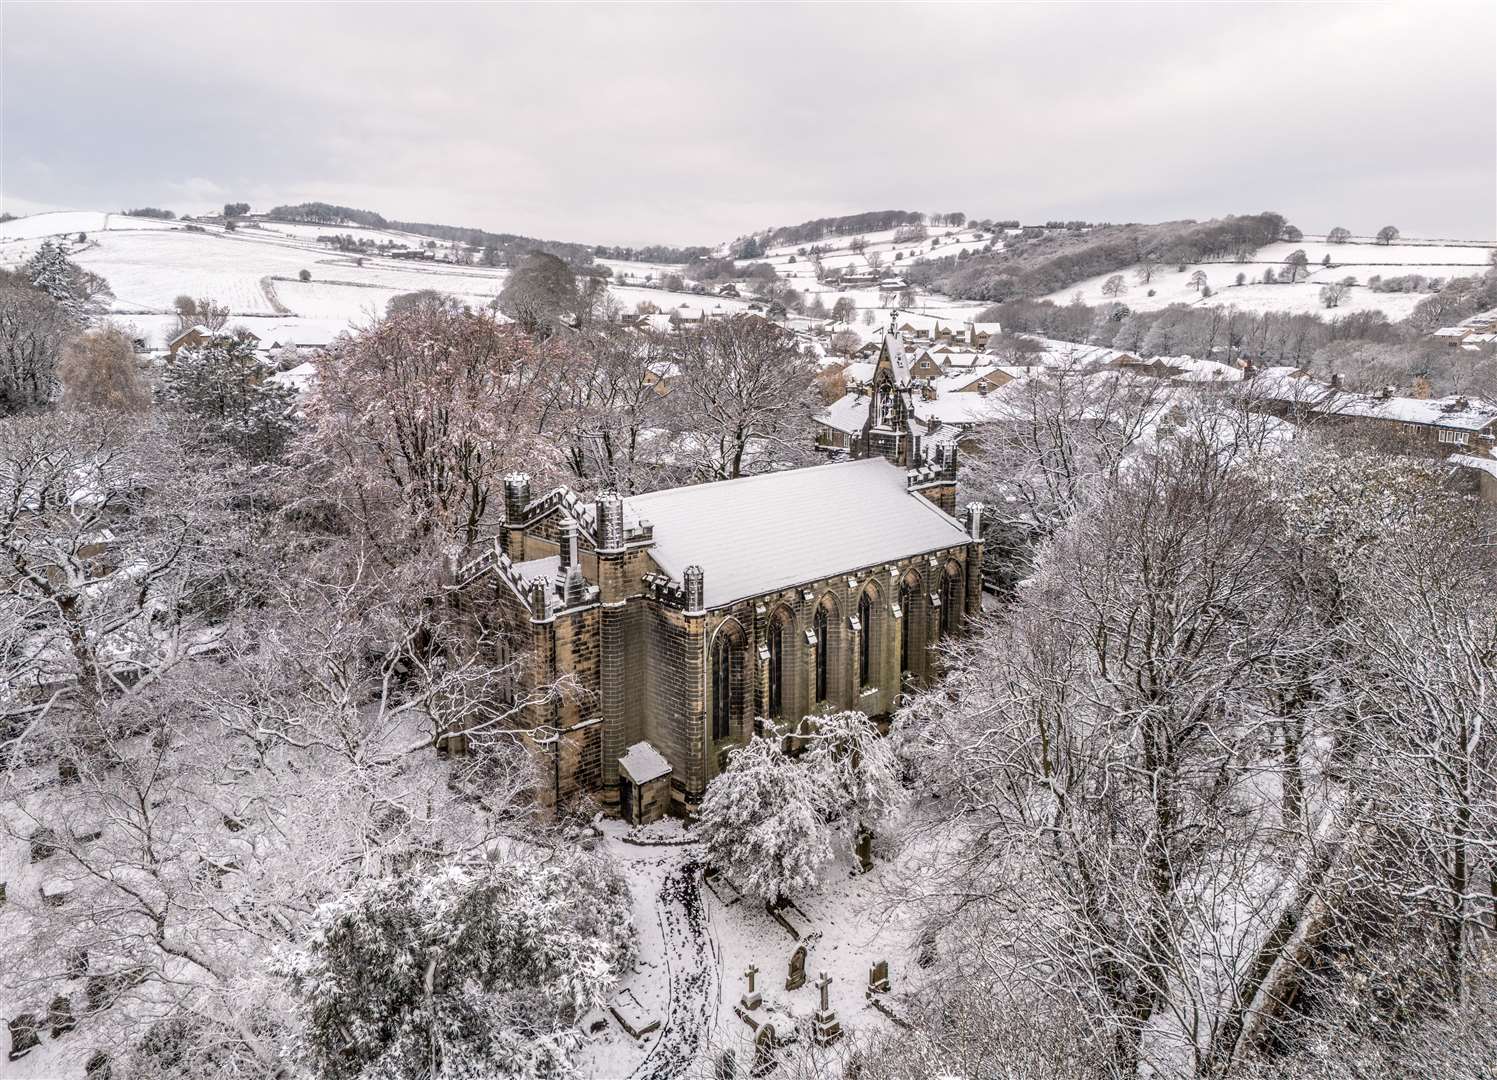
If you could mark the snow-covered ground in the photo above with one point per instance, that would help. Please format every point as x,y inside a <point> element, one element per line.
<point>1361,260</point>
<point>698,940</point>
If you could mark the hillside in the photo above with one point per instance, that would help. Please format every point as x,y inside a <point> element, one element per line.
<point>255,269</point>
<point>1360,258</point>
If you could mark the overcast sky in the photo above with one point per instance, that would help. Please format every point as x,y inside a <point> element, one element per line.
<point>692,124</point>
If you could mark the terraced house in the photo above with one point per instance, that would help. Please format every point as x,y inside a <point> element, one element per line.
<point>687,617</point>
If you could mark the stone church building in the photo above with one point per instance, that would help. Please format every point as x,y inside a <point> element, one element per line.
<point>684,616</point>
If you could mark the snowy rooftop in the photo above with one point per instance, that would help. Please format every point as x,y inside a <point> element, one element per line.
<point>643,763</point>
<point>760,534</point>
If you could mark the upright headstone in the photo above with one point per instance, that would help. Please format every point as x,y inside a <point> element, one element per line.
<point>726,1067</point>
<point>878,978</point>
<point>766,1051</point>
<point>927,955</point>
<point>825,1026</point>
<point>23,1036</point>
<point>797,977</point>
<point>60,1016</point>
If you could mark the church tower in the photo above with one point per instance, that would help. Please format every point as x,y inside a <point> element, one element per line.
<point>890,431</point>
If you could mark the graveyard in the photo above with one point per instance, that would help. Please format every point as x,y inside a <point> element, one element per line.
<point>722,981</point>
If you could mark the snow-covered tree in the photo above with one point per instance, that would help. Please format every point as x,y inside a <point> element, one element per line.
<point>226,390</point>
<point>856,768</point>
<point>416,419</point>
<point>77,290</point>
<point>33,329</point>
<point>765,823</point>
<point>472,969</point>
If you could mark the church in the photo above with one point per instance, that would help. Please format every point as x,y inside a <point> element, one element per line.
<point>678,619</point>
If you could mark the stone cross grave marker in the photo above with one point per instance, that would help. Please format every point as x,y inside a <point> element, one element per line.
<point>826,1028</point>
<point>751,999</point>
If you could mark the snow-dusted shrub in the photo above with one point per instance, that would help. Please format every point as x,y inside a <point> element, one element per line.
<point>472,970</point>
<point>764,821</point>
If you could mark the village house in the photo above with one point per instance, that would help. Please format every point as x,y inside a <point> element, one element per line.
<point>1427,426</point>
<point>683,618</point>
<point>197,336</point>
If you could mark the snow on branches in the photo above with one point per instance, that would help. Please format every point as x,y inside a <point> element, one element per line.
<point>774,822</point>
<point>473,969</point>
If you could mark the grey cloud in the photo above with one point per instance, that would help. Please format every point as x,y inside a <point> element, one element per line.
<point>636,124</point>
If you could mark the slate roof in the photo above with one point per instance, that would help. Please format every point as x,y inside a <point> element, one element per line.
<point>760,534</point>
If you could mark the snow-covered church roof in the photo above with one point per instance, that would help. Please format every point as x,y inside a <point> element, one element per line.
<point>760,534</point>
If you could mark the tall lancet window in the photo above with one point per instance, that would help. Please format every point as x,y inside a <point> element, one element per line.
<point>865,641</point>
<point>819,627</point>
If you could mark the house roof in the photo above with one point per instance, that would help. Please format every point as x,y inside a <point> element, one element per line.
<point>761,534</point>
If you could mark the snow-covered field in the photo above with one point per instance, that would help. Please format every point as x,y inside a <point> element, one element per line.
<point>1360,260</point>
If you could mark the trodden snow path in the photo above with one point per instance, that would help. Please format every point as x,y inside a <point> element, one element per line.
<point>693,971</point>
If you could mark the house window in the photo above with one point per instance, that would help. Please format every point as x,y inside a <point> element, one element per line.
<point>1457,437</point>
<point>777,666</point>
<point>865,641</point>
<point>819,625</point>
<point>725,663</point>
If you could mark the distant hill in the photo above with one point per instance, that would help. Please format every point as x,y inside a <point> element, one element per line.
<point>1033,262</point>
<point>508,247</point>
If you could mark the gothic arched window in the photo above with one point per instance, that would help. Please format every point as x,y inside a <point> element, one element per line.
<point>951,600</point>
<point>777,634</point>
<point>725,667</point>
<point>819,627</point>
<point>865,641</point>
<point>909,602</point>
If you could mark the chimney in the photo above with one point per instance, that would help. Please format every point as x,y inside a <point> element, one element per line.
<point>569,577</point>
<point>568,550</point>
<point>974,520</point>
<point>516,496</point>
<point>610,515</point>
<point>696,591</point>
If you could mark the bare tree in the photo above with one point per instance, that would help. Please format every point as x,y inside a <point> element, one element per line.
<point>416,418</point>
<point>746,394</point>
<point>33,328</point>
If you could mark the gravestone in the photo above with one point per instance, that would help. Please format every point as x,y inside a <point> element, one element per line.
<point>927,954</point>
<point>878,978</point>
<point>23,1036</point>
<point>60,1016</point>
<point>752,999</point>
<point>826,1027</point>
<point>43,845</point>
<point>797,977</point>
<point>726,1067</point>
<point>766,1051</point>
